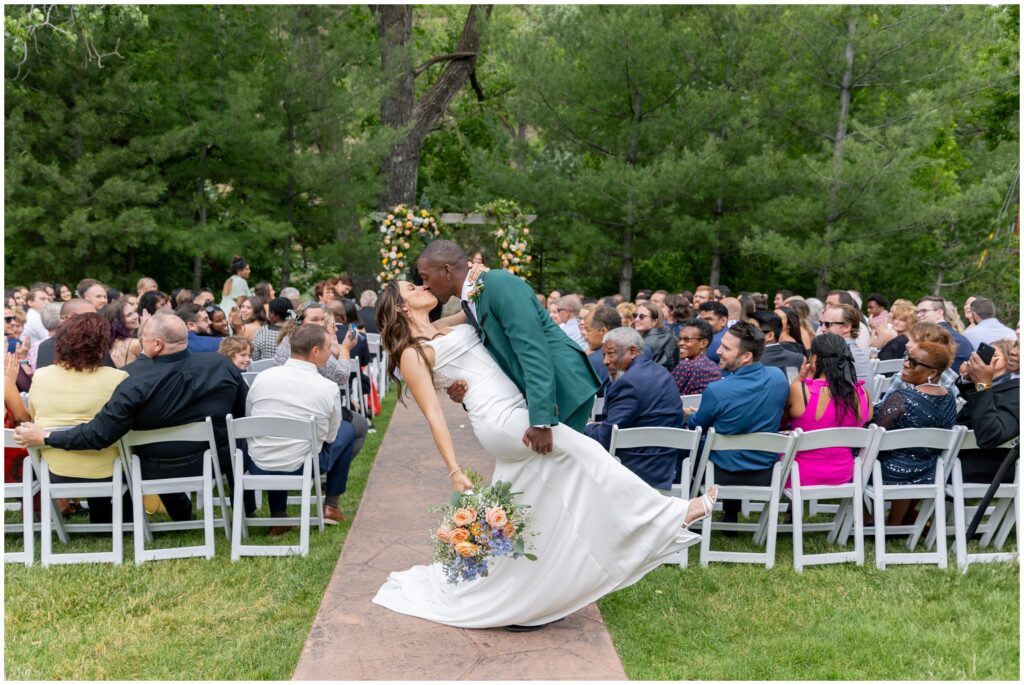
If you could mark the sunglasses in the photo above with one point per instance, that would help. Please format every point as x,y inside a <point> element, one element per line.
<point>907,359</point>
<point>641,317</point>
<point>10,319</point>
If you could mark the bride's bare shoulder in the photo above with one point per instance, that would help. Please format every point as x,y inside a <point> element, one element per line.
<point>412,358</point>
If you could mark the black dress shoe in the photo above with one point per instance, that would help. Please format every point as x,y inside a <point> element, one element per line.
<point>529,629</point>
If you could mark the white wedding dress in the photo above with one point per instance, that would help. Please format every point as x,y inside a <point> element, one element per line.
<point>597,527</point>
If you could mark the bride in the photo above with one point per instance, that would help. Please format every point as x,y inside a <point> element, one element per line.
<point>597,526</point>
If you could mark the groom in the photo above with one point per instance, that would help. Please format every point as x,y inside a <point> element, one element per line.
<point>551,371</point>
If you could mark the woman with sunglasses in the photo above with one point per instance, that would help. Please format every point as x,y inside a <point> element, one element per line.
<point>920,401</point>
<point>663,345</point>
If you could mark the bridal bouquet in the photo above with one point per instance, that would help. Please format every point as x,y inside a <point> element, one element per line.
<point>477,526</point>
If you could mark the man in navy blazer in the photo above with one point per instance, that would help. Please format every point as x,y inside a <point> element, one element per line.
<point>644,394</point>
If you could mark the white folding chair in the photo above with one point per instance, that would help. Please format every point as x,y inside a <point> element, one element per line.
<point>690,401</point>
<point>115,489</point>
<point>261,365</point>
<point>863,439</point>
<point>679,438</point>
<point>277,427</point>
<point>933,494</point>
<point>200,431</point>
<point>23,492</point>
<point>999,519</point>
<point>378,362</point>
<point>766,529</point>
<point>598,410</point>
<point>889,366</point>
<point>249,376</point>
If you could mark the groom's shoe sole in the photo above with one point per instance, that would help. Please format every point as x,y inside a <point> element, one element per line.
<point>529,629</point>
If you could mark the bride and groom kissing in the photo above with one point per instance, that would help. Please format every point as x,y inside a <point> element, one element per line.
<point>530,390</point>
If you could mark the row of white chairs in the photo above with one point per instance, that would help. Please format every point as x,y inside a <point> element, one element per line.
<point>1000,517</point>
<point>210,484</point>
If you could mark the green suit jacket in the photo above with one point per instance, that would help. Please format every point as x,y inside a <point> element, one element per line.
<point>551,370</point>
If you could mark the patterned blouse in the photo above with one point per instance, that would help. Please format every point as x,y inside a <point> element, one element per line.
<point>264,343</point>
<point>693,375</point>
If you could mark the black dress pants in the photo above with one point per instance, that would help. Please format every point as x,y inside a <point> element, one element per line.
<point>731,507</point>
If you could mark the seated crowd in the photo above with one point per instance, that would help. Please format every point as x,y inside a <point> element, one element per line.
<point>150,359</point>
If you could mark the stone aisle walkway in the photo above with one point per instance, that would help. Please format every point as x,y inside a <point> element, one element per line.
<point>353,639</point>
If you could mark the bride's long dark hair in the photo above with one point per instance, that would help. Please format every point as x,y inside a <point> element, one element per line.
<point>395,332</point>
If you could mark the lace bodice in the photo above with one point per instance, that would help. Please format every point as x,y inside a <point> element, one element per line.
<point>461,356</point>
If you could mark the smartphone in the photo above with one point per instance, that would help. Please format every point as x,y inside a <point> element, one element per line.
<point>985,351</point>
<point>12,345</point>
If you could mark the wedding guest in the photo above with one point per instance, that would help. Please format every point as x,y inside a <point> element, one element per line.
<point>992,410</point>
<point>183,296</point>
<point>807,327</point>
<point>627,313</point>
<point>340,365</point>
<point>664,348</point>
<point>919,402</point>
<point>197,323</point>
<point>96,295</point>
<point>80,345</point>
<point>862,334</point>
<point>265,292</point>
<point>715,315</point>
<point>677,313</point>
<point>774,353</point>
<point>827,395</point>
<point>145,285</point>
<point>894,341</point>
<point>292,294</point>
<point>878,312</point>
<point>250,311</point>
<point>296,390</point>
<point>932,309</point>
<point>323,292</point>
<point>643,395</point>
<point>238,350</point>
<point>33,331</point>
<point>264,343</point>
<point>792,334</point>
<point>844,320</point>
<point>597,323</point>
<point>51,319</point>
<point>702,294</point>
<point>124,332</point>
<point>218,321</point>
<point>203,297</point>
<point>62,292</point>
<point>734,308</point>
<point>368,310</point>
<point>968,314</point>
<point>695,370</point>
<point>568,311</point>
<point>750,399</point>
<point>815,308</point>
<point>987,328</point>
<point>781,296</point>
<point>343,287</point>
<point>236,286</point>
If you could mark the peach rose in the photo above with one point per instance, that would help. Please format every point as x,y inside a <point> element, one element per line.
<point>464,517</point>
<point>496,517</point>
<point>443,534</point>
<point>458,535</point>
<point>510,530</point>
<point>466,549</point>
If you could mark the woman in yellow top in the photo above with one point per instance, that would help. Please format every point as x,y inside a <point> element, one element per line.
<point>72,391</point>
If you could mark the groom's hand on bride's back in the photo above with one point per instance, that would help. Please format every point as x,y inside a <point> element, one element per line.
<point>457,391</point>
<point>539,439</point>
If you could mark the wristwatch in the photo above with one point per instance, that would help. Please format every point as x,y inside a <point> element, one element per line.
<point>980,387</point>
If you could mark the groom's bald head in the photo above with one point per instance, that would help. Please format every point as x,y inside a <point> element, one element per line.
<point>443,267</point>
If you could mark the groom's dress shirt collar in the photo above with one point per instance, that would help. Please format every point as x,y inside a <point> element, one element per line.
<point>463,295</point>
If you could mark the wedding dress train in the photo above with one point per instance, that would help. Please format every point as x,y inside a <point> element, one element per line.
<point>597,527</point>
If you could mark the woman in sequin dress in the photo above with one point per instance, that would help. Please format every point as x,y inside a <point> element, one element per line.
<point>921,401</point>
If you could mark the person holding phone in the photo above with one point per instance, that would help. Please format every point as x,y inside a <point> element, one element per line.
<point>990,384</point>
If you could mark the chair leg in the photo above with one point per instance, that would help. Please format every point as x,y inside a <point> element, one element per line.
<point>940,518</point>
<point>772,506</point>
<point>927,508</point>
<point>857,509</point>
<point>139,529</point>
<point>117,507</point>
<point>239,511</point>
<point>304,508</point>
<point>45,539</point>
<point>959,520</point>
<point>28,529</point>
<point>879,519</point>
<point>798,524</point>
<point>705,529</point>
<point>210,507</point>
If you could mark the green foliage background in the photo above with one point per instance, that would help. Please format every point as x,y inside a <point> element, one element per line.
<point>657,144</point>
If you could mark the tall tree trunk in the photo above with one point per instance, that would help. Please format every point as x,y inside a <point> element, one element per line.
<point>845,95</point>
<point>937,290</point>
<point>400,110</point>
<point>718,236</point>
<point>629,234</point>
<point>197,260</point>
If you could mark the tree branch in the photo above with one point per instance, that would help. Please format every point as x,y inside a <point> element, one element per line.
<point>442,58</point>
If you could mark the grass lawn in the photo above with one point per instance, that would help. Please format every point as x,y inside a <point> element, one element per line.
<point>184,619</point>
<point>834,622</point>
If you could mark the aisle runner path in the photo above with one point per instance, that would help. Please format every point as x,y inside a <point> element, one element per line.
<point>353,639</point>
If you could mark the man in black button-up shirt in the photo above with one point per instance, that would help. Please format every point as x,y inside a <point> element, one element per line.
<point>168,387</point>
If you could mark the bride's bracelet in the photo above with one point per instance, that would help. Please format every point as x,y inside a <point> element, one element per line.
<point>454,471</point>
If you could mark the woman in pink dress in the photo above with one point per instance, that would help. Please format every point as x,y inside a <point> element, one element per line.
<point>827,395</point>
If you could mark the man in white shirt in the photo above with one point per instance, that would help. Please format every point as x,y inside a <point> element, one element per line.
<point>296,390</point>
<point>35,332</point>
<point>987,328</point>
<point>569,313</point>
